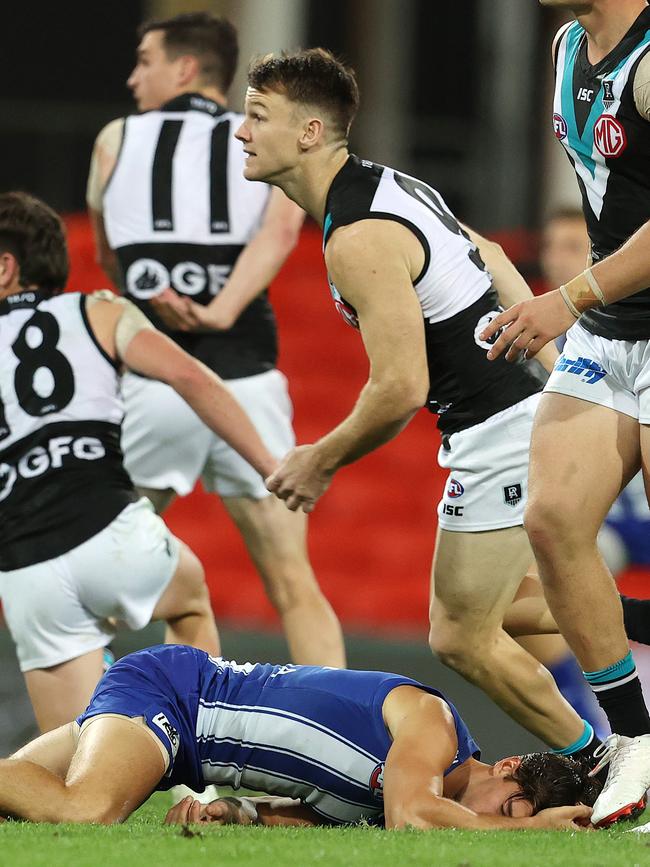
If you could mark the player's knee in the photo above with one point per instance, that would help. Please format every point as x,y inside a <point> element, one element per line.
<point>449,642</point>
<point>551,524</point>
<point>292,586</point>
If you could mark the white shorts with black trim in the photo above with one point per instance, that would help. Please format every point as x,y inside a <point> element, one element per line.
<point>62,608</point>
<point>611,373</point>
<point>166,445</point>
<point>488,471</point>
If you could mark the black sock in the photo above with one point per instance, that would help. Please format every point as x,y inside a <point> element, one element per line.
<point>636,614</point>
<point>625,708</point>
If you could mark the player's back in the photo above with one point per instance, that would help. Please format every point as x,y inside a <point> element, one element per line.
<point>178,212</point>
<point>61,474</point>
<point>306,732</point>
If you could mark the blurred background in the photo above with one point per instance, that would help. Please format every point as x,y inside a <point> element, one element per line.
<point>457,94</point>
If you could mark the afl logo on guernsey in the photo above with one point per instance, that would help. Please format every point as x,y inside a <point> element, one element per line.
<point>377,782</point>
<point>609,136</point>
<point>455,489</point>
<point>559,126</point>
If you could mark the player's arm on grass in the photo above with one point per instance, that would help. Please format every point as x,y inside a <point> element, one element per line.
<point>265,810</point>
<point>102,163</point>
<point>530,325</point>
<point>373,264</point>
<point>125,333</point>
<point>509,284</point>
<point>424,745</point>
<point>255,268</point>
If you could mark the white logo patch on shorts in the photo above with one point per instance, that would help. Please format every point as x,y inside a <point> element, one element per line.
<point>172,734</point>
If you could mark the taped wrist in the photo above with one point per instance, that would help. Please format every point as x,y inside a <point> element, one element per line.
<point>247,807</point>
<point>582,293</point>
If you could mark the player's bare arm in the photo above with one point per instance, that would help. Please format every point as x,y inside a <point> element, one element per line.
<point>509,284</point>
<point>254,270</point>
<point>424,745</point>
<point>373,264</point>
<point>125,333</point>
<point>102,163</point>
<point>264,810</point>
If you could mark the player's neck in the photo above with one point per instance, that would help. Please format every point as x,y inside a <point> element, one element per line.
<point>15,288</point>
<point>212,93</point>
<point>309,183</point>
<point>607,25</point>
<point>461,780</point>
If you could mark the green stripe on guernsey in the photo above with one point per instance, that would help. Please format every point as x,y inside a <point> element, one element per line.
<point>590,165</point>
<point>582,145</point>
<point>327,225</point>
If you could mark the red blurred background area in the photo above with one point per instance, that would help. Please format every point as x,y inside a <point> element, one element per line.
<point>372,534</point>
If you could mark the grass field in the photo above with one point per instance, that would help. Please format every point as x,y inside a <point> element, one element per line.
<point>143,841</point>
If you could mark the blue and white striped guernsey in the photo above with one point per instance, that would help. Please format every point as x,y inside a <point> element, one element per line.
<point>304,732</point>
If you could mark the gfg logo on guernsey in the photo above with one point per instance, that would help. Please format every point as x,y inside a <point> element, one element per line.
<point>559,126</point>
<point>609,136</point>
<point>455,489</point>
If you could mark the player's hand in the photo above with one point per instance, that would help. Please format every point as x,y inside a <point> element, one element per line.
<point>575,818</point>
<point>528,326</point>
<point>174,310</point>
<point>300,480</point>
<point>223,811</point>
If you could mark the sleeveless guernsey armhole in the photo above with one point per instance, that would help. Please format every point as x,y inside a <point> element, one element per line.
<point>83,301</point>
<point>642,87</point>
<point>118,152</point>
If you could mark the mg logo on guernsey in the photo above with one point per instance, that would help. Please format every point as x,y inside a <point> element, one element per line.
<point>559,126</point>
<point>609,136</point>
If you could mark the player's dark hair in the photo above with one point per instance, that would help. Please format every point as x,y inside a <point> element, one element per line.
<point>551,780</point>
<point>212,40</point>
<point>34,234</point>
<point>313,77</point>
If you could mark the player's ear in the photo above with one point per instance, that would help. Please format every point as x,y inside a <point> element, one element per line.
<point>188,69</point>
<point>506,767</point>
<point>312,133</point>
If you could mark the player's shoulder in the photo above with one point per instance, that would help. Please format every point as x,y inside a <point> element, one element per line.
<point>364,240</point>
<point>111,133</point>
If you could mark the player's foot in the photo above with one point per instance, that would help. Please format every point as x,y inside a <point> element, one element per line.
<point>640,829</point>
<point>624,793</point>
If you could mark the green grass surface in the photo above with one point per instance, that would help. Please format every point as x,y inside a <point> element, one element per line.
<point>144,841</point>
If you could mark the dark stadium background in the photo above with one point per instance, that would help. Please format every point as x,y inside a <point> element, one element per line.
<point>456,93</point>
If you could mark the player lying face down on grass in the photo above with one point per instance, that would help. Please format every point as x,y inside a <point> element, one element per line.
<point>332,746</point>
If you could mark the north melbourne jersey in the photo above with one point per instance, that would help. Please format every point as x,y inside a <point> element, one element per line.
<point>601,116</point>
<point>454,290</point>
<point>305,732</point>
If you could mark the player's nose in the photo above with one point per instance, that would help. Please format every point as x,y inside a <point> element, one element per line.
<point>242,134</point>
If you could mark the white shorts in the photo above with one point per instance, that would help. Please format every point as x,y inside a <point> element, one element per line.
<point>166,445</point>
<point>60,609</point>
<point>612,373</point>
<point>488,479</point>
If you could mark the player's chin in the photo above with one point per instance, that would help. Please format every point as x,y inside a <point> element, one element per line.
<point>253,172</point>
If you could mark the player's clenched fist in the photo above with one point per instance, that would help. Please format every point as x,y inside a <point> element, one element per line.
<point>223,811</point>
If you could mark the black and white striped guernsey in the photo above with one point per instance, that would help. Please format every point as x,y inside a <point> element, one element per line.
<point>454,290</point>
<point>178,212</point>
<point>61,474</point>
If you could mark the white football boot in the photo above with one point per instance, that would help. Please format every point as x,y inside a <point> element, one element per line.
<point>624,793</point>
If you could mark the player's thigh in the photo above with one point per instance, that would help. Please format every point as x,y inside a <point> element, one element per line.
<point>123,574</point>
<point>475,576</point>
<point>52,750</point>
<point>165,443</point>
<point>266,400</point>
<point>273,534</point>
<point>115,767</point>
<point>60,693</point>
<point>187,589</point>
<point>582,454</point>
